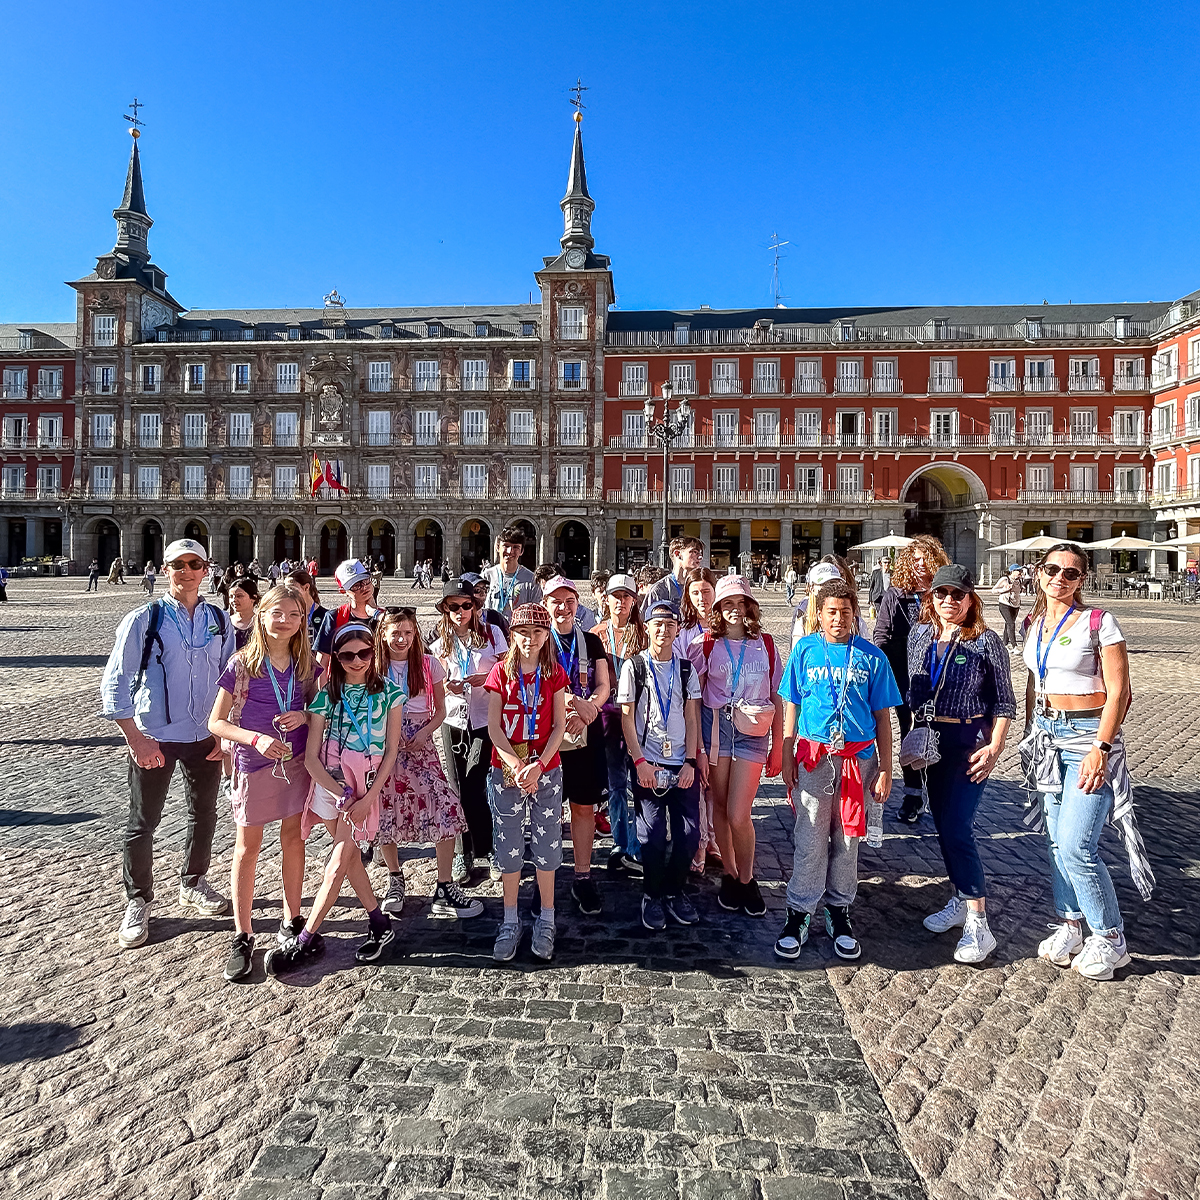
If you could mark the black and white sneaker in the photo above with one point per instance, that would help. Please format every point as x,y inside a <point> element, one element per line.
<point>289,929</point>
<point>586,894</point>
<point>393,902</point>
<point>654,916</point>
<point>730,895</point>
<point>241,957</point>
<point>293,955</point>
<point>910,808</point>
<point>451,901</point>
<point>633,866</point>
<point>616,862</point>
<point>753,905</point>
<point>681,910</point>
<point>837,925</point>
<point>794,935</point>
<point>378,940</point>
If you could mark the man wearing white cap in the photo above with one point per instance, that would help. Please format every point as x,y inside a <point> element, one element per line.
<point>159,687</point>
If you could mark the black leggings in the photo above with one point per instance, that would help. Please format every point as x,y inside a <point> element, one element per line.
<point>1010,624</point>
<point>469,753</point>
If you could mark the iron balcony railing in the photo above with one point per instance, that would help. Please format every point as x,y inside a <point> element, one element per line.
<point>766,496</point>
<point>806,439</point>
<point>1079,496</point>
<point>34,441</point>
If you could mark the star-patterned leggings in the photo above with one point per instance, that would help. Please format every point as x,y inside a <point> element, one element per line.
<point>509,806</point>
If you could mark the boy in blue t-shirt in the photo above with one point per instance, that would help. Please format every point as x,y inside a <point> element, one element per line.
<point>832,720</point>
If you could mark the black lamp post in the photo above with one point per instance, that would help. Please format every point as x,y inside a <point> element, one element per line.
<point>667,432</point>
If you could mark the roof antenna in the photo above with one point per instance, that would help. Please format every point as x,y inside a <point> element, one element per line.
<point>775,247</point>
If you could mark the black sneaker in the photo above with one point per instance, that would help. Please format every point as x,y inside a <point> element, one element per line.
<point>289,929</point>
<point>730,895</point>
<point>377,942</point>
<point>451,901</point>
<point>586,894</point>
<point>910,809</point>
<point>794,935</point>
<point>241,957</point>
<point>366,851</point>
<point>837,925</point>
<point>616,862</point>
<point>632,866</point>
<point>293,955</point>
<point>753,905</point>
<point>654,916</point>
<point>681,909</point>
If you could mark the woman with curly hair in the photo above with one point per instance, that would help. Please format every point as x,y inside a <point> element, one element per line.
<point>899,611</point>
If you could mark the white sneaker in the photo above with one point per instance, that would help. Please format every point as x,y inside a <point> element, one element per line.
<point>977,941</point>
<point>1061,944</point>
<point>1101,957</point>
<point>393,902</point>
<point>953,916</point>
<point>204,898</point>
<point>135,927</point>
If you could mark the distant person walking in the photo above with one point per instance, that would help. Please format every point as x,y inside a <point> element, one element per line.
<point>3,584</point>
<point>93,583</point>
<point>1009,591</point>
<point>159,687</point>
<point>149,577</point>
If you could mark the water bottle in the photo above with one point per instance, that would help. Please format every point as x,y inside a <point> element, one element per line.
<point>874,824</point>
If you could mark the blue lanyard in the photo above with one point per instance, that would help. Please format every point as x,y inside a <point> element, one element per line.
<point>529,710</point>
<point>506,594</point>
<point>1043,660</point>
<point>187,636</point>
<point>618,659</point>
<point>366,742</point>
<point>664,709</point>
<point>737,671</point>
<point>394,673</point>
<point>939,663</point>
<point>291,678</point>
<point>568,662</point>
<point>839,704</point>
<point>462,656</point>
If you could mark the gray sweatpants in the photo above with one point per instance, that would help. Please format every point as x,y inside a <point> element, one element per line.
<point>509,805</point>
<point>826,860</point>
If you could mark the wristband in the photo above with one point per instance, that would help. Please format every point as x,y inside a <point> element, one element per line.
<point>691,762</point>
<point>637,762</point>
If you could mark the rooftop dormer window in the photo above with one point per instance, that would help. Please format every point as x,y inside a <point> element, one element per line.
<point>206,335</point>
<point>527,329</point>
<point>481,329</point>
<point>248,334</point>
<point>293,333</point>
<point>433,329</point>
<point>385,331</point>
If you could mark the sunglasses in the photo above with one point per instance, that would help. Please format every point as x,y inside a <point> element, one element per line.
<point>393,611</point>
<point>949,593</point>
<point>362,583</point>
<point>352,656</point>
<point>1070,574</point>
<point>467,607</point>
<point>189,565</point>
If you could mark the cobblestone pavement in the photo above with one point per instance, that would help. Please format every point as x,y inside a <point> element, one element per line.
<point>692,1063</point>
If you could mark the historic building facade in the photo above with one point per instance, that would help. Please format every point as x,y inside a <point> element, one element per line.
<point>810,430</point>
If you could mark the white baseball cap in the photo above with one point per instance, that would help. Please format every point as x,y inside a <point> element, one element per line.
<point>621,583</point>
<point>349,573</point>
<point>182,546</point>
<point>822,573</point>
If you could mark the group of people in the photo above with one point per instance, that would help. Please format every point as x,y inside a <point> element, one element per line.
<point>654,712</point>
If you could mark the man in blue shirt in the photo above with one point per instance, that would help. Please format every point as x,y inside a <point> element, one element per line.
<point>159,687</point>
<point>839,691</point>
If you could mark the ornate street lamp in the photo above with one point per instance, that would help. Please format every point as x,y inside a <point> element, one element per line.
<point>667,432</point>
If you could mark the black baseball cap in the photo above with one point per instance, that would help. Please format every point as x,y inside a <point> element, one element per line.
<point>952,575</point>
<point>455,587</point>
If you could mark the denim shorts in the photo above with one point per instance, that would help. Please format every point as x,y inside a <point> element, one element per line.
<point>734,743</point>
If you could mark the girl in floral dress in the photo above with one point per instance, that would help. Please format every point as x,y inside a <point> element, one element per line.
<point>418,805</point>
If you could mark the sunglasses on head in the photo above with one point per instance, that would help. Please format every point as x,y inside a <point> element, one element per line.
<point>187,565</point>
<point>351,656</point>
<point>466,606</point>
<point>1070,574</point>
<point>393,611</point>
<point>948,593</point>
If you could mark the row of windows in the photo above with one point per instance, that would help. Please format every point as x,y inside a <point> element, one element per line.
<point>16,431</point>
<point>16,383</point>
<point>13,480</point>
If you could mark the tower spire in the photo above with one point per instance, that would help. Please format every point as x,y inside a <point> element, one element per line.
<point>577,205</point>
<point>133,221</point>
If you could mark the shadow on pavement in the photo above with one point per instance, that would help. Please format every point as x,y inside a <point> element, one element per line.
<point>11,817</point>
<point>31,1041</point>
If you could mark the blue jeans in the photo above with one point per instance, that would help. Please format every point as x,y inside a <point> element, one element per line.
<point>624,835</point>
<point>665,873</point>
<point>1083,887</point>
<point>953,800</point>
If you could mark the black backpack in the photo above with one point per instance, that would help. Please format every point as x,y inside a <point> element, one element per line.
<point>152,636</point>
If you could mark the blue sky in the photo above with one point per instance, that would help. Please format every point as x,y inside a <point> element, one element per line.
<point>415,154</point>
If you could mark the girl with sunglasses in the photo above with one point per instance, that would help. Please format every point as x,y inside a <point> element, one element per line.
<point>259,710</point>
<point>468,649</point>
<point>353,736</point>
<point>417,805</point>
<point>1073,757</point>
<point>960,684</point>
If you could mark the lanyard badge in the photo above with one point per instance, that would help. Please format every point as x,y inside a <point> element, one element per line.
<point>530,710</point>
<point>664,710</point>
<point>736,676</point>
<point>277,721</point>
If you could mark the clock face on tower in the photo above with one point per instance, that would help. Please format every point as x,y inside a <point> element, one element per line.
<point>576,258</point>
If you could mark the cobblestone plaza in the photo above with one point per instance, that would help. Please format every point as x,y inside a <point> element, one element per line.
<point>691,1063</point>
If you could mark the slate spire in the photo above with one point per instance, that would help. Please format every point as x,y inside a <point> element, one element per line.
<point>133,222</point>
<point>577,205</point>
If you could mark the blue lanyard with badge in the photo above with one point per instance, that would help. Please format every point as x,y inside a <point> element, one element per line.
<point>837,735</point>
<point>1043,660</point>
<point>506,593</point>
<point>664,710</point>
<point>736,675</point>
<point>364,741</point>
<point>937,669</point>
<point>277,721</point>
<point>530,710</point>
<point>569,662</point>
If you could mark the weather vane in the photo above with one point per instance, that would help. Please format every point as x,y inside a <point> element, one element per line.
<point>137,104</point>
<point>577,99</point>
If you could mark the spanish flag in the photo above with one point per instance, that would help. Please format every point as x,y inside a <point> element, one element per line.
<point>318,473</point>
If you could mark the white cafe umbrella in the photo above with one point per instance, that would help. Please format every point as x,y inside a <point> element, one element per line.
<point>893,541</point>
<point>1125,542</point>
<point>1042,541</point>
<point>1192,539</point>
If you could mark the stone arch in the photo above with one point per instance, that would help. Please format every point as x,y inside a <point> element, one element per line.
<point>102,540</point>
<point>573,539</point>
<point>939,499</point>
<point>475,535</point>
<point>333,544</point>
<point>149,539</point>
<point>241,540</point>
<point>379,541</point>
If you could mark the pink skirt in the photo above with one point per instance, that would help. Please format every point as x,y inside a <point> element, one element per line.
<point>418,805</point>
<point>354,765</point>
<point>259,797</point>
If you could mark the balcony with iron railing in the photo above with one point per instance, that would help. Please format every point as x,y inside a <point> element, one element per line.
<point>1187,494</point>
<point>808,385</point>
<point>14,391</point>
<point>766,385</point>
<point>851,385</point>
<point>945,384</point>
<point>352,330</point>
<point>36,341</point>
<point>1085,383</point>
<point>722,496</point>
<point>1187,430</point>
<point>999,384</point>
<point>634,387</point>
<point>36,441</point>
<point>1162,377</point>
<point>1040,383</point>
<point>1130,383</point>
<point>1073,496</point>
<point>725,387</point>
<point>886,385</point>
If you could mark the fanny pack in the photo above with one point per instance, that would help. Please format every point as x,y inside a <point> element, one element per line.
<point>753,719</point>
<point>919,749</point>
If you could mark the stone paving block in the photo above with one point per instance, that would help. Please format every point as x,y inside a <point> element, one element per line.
<point>641,1185</point>
<point>287,1162</point>
<point>348,1166</point>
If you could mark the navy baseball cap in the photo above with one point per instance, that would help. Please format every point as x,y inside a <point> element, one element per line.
<point>664,608</point>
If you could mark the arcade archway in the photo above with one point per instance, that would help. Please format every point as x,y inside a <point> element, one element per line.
<point>152,543</point>
<point>428,542</point>
<point>476,544</point>
<point>197,531</point>
<point>108,544</point>
<point>286,542</point>
<point>939,500</point>
<point>335,543</point>
<point>573,550</point>
<point>381,544</point>
<point>241,542</point>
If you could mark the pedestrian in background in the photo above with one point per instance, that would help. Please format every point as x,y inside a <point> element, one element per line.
<point>159,686</point>
<point>1009,590</point>
<point>93,584</point>
<point>148,579</point>
<point>3,584</point>
<point>790,579</point>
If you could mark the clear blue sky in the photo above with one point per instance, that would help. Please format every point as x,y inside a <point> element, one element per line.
<point>415,154</point>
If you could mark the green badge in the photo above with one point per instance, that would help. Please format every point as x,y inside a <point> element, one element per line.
<point>1065,640</point>
<point>960,658</point>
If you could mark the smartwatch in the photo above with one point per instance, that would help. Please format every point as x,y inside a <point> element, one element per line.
<point>691,762</point>
<point>1104,747</point>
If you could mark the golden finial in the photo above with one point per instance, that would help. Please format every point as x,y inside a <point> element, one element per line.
<point>133,121</point>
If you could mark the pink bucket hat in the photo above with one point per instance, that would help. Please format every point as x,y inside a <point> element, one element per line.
<point>732,585</point>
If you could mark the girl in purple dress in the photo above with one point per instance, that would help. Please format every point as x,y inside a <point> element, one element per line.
<point>260,711</point>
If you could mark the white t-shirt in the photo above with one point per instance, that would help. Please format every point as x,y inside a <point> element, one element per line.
<point>472,705</point>
<point>1072,669</point>
<point>417,707</point>
<point>648,716</point>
